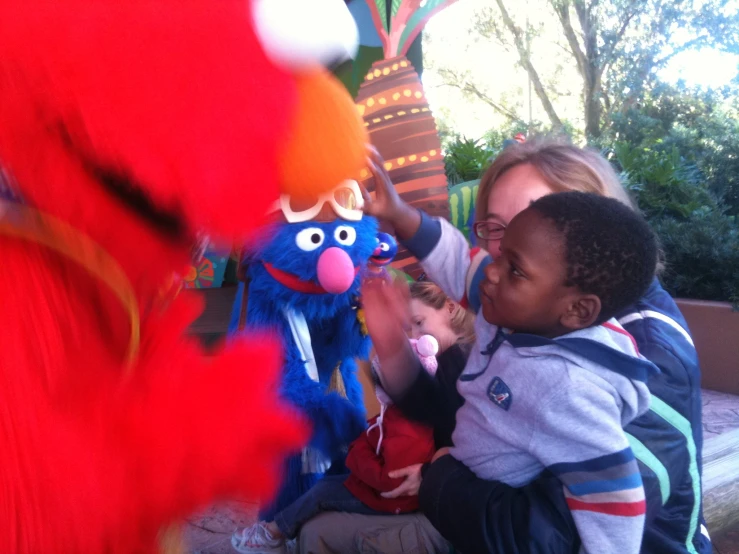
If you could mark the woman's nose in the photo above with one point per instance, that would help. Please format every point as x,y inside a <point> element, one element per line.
<point>493,248</point>
<point>491,273</point>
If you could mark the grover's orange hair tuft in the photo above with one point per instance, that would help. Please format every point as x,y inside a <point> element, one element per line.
<point>327,139</point>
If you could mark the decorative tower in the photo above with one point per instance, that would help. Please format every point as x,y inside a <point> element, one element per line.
<point>393,104</point>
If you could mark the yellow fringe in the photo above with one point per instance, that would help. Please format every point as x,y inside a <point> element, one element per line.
<point>337,382</point>
<point>362,322</point>
<point>20,221</point>
<point>172,540</point>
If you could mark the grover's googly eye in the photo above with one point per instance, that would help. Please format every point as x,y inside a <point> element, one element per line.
<point>305,33</point>
<point>385,247</point>
<point>309,239</point>
<point>345,235</point>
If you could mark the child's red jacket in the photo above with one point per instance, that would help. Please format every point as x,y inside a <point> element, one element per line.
<point>404,443</point>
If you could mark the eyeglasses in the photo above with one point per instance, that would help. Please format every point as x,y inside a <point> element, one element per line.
<point>489,230</point>
<point>346,201</point>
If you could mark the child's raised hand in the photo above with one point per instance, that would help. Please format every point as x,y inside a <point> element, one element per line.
<point>386,312</point>
<point>387,315</point>
<point>387,205</point>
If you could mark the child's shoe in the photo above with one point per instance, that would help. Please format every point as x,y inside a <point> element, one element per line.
<point>257,540</point>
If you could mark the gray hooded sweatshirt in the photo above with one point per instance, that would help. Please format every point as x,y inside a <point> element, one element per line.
<point>534,404</point>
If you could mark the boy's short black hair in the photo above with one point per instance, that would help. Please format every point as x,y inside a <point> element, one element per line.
<point>610,250</point>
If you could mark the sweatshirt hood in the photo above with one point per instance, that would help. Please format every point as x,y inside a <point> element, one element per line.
<point>606,350</point>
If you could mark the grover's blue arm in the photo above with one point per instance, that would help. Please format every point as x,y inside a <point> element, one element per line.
<point>336,420</point>
<point>340,337</point>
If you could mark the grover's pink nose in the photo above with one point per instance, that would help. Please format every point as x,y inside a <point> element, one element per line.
<point>335,270</point>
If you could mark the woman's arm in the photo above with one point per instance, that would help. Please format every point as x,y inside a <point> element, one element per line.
<point>488,516</point>
<point>442,250</point>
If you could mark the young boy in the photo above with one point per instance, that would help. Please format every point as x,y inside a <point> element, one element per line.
<point>552,379</point>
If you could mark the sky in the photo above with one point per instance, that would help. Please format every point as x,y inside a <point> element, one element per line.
<point>706,67</point>
<point>447,42</point>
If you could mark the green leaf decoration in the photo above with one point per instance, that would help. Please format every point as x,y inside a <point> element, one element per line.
<point>396,6</point>
<point>461,204</point>
<point>382,8</point>
<point>418,20</point>
<point>399,274</point>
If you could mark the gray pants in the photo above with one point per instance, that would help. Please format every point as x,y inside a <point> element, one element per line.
<point>343,533</point>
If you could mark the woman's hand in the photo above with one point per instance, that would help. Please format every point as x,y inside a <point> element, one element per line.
<point>412,474</point>
<point>410,486</point>
<point>387,205</point>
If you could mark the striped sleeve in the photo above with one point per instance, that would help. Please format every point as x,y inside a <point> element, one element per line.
<point>448,261</point>
<point>608,485</point>
<point>479,258</point>
<point>579,438</point>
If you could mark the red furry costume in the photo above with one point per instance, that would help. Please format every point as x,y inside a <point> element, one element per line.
<point>127,126</point>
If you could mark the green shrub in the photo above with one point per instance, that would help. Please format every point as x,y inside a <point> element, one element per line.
<point>702,124</point>
<point>700,241</point>
<point>466,160</point>
<point>662,182</point>
<point>702,256</point>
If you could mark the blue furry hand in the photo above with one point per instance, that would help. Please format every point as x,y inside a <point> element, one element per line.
<point>337,424</point>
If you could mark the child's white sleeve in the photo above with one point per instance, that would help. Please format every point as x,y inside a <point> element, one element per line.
<point>448,261</point>
<point>578,436</point>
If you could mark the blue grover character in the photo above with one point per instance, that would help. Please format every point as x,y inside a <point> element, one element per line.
<point>384,253</point>
<point>303,283</point>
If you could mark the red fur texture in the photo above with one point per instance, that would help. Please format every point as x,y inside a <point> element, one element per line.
<point>177,100</point>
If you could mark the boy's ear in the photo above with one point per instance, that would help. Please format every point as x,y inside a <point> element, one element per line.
<point>582,312</point>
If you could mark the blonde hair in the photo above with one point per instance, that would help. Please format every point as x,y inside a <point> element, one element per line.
<point>565,167</point>
<point>462,321</point>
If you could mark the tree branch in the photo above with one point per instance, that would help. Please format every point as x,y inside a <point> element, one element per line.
<point>528,66</point>
<point>607,56</point>
<point>682,48</point>
<point>472,89</point>
<point>562,9</point>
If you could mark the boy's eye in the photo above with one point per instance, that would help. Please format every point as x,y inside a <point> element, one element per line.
<point>515,271</point>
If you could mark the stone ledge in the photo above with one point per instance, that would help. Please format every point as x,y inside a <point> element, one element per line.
<point>721,481</point>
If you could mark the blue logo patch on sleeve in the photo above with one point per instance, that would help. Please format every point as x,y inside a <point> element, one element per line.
<point>499,393</point>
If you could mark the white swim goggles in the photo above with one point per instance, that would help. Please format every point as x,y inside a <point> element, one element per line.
<point>346,200</point>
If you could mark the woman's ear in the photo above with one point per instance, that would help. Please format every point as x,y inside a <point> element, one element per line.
<point>450,307</point>
<point>582,312</point>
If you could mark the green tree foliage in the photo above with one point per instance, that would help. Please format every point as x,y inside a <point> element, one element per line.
<point>677,148</point>
<point>699,127</point>
<point>617,47</point>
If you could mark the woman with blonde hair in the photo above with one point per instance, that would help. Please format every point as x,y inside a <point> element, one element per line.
<point>480,516</point>
<point>526,171</point>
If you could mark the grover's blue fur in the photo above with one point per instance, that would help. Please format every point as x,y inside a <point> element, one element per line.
<point>335,335</point>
